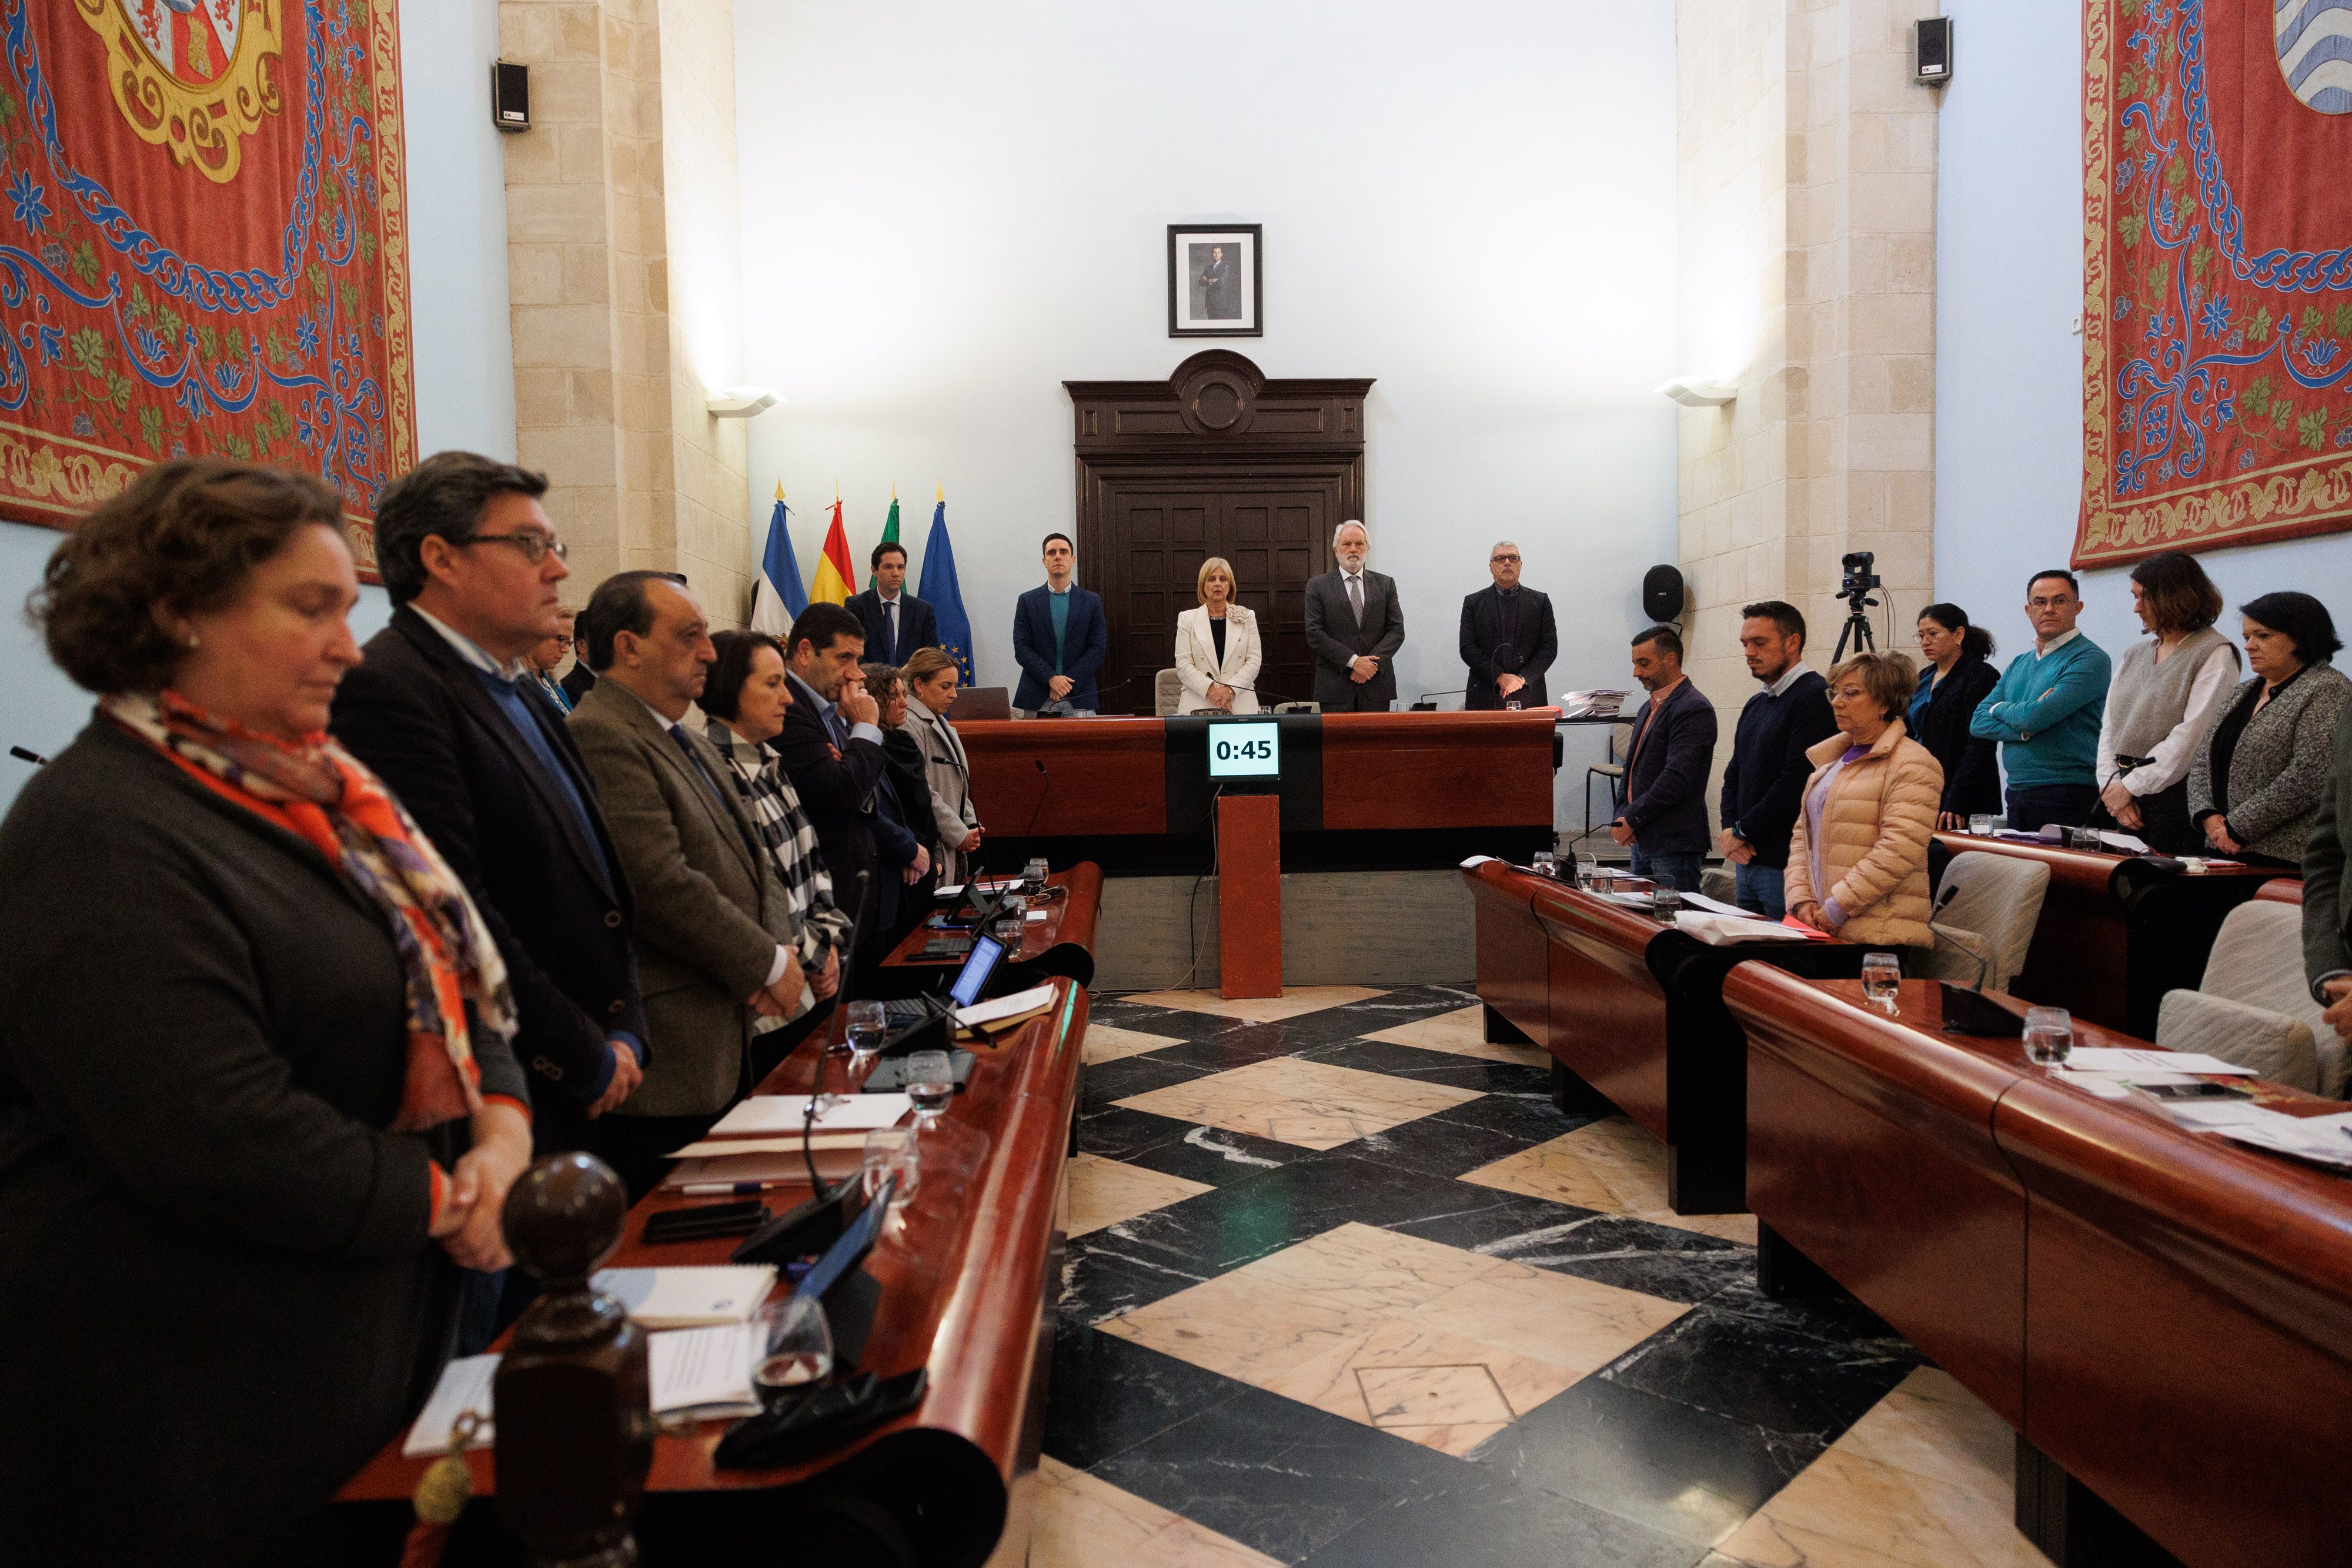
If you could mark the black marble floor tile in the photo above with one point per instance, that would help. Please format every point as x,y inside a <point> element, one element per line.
<point>1157,1020</point>
<point>1107,1272</point>
<point>1163,1144</point>
<point>1836,1317</point>
<point>1762,1374</point>
<point>1466,1136</point>
<point>1664,1464</point>
<point>1512,1528</point>
<point>1433,1067</point>
<point>1101,1083</point>
<point>1108,1395</point>
<point>1238,1045</point>
<point>1286,1479</point>
<point>1659,1260</point>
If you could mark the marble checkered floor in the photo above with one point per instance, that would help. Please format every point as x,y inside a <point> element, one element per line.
<point>1345,1288</point>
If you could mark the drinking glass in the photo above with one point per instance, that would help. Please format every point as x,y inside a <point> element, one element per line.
<point>1881,979</point>
<point>1546,864</point>
<point>795,1349</point>
<point>1664,904</point>
<point>1980,824</point>
<point>890,1151</point>
<point>869,1023</point>
<point>1011,917</point>
<point>931,1085</point>
<point>2049,1035</point>
<point>2085,838</point>
<point>1588,873</point>
<point>1513,705</point>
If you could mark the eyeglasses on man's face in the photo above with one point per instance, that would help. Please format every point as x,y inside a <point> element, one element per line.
<point>535,548</point>
<point>1499,560</point>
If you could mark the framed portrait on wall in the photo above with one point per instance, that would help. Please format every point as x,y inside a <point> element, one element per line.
<point>1216,281</point>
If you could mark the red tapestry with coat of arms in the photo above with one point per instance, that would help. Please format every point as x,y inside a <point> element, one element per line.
<point>203,247</point>
<point>2217,369</point>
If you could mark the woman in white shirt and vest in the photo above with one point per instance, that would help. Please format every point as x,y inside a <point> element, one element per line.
<point>2167,693</point>
<point>1217,649</point>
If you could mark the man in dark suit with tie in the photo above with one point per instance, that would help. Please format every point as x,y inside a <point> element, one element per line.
<point>895,621</point>
<point>446,709</point>
<point>579,677</point>
<point>714,934</point>
<point>1662,799</point>
<point>1059,636</point>
<point>1508,638</point>
<point>1354,627</point>
<point>832,751</point>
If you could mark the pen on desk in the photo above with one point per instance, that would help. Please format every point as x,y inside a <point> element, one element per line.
<point>733,1188</point>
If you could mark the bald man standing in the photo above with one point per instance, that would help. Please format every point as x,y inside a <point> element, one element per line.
<point>1509,637</point>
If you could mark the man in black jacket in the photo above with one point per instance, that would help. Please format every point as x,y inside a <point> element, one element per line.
<point>1764,782</point>
<point>1662,799</point>
<point>895,621</point>
<point>1509,637</point>
<point>445,709</point>
<point>831,749</point>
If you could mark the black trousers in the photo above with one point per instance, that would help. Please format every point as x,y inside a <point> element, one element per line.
<point>637,1147</point>
<point>2068,805</point>
<point>2164,822</point>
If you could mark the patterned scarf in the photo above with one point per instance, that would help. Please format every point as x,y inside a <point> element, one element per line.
<point>320,793</point>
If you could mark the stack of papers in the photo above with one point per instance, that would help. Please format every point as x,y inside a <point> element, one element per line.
<point>705,1372</point>
<point>1723,930</point>
<point>1004,1009</point>
<point>2139,1064</point>
<point>2323,1140</point>
<point>690,1297</point>
<point>783,1113</point>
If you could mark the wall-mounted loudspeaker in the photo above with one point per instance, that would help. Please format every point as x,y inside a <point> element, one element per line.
<point>509,95</point>
<point>1931,50</point>
<point>1661,594</point>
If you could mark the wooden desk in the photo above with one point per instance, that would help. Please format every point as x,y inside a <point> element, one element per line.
<point>2117,931</point>
<point>970,1274</point>
<point>2165,1317</point>
<point>1359,790</point>
<point>1060,946</point>
<point>1632,1013</point>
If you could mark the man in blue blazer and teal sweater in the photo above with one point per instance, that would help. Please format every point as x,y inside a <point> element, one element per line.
<point>1059,636</point>
<point>2045,712</point>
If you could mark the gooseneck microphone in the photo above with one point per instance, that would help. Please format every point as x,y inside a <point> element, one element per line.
<point>35,758</point>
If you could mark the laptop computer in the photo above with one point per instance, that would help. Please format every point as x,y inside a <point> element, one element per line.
<point>981,702</point>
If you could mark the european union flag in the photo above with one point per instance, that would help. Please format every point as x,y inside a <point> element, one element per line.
<point>940,591</point>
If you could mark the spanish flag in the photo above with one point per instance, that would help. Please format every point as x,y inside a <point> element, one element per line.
<point>830,584</point>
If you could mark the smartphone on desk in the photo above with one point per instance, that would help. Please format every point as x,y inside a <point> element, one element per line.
<point>2201,1090</point>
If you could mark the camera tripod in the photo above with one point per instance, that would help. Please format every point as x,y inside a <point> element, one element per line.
<point>1857,625</point>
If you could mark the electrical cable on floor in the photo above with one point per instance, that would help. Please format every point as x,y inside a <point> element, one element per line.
<point>1193,904</point>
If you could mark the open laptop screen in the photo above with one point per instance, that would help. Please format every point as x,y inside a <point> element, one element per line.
<point>977,967</point>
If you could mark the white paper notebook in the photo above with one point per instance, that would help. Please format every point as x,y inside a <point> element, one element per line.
<point>783,1113</point>
<point>707,1371</point>
<point>464,1385</point>
<point>2126,1058</point>
<point>1010,1007</point>
<point>688,1298</point>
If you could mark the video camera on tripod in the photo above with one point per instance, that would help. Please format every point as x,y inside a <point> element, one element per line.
<point>1855,589</point>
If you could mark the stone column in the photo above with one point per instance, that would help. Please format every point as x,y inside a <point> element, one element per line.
<point>604,402</point>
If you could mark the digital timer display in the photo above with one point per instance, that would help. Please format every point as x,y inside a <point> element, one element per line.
<point>1250,749</point>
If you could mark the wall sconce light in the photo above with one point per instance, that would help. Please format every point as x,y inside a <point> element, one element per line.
<point>1700,392</point>
<point>742,402</point>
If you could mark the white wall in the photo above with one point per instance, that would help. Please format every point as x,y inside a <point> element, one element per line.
<point>950,208</point>
<point>465,361</point>
<point>2009,400</point>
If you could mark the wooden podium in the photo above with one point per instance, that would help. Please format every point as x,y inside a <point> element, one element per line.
<point>1249,896</point>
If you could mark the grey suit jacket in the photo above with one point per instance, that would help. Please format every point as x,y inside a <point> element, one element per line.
<point>1336,639</point>
<point>711,912</point>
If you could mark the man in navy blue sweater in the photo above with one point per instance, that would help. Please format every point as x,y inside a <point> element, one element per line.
<point>1662,799</point>
<point>1764,783</point>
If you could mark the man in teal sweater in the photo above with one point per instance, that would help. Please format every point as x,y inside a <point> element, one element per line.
<point>2046,710</point>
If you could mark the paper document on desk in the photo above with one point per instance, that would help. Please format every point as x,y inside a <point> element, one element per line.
<point>1725,930</point>
<point>1715,905</point>
<point>690,1297</point>
<point>706,1371</point>
<point>2130,1060</point>
<point>2321,1139</point>
<point>783,1112</point>
<point>980,1014</point>
<point>2217,1115</point>
<point>464,1385</point>
<point>2124,841</point>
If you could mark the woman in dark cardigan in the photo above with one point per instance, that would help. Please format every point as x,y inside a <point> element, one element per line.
<point>2255,787</point>
<point>256,1101</point>
<point>1956,674</point>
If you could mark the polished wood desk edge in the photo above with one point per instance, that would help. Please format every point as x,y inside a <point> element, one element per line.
<point>1130,729</point>
<point>1786,1014</point>
<point>2092,865</point>
<point>1070,918</point>
<point>1044,1096</point>
<point>2285,888</point>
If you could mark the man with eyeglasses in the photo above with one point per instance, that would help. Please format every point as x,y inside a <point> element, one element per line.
<point>2046,709</point>
<point>1508,638</point>
<point>450,707</point>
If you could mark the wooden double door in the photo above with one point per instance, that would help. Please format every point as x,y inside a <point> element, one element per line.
<point>1148,570</point>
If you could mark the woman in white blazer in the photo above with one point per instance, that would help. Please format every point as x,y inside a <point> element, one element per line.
<point>932,681</point>
<point>1217,650</point>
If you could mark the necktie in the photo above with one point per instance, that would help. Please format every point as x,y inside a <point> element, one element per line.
<point>1356,598</point>
<point>890,611</point>
<point>678,733</point>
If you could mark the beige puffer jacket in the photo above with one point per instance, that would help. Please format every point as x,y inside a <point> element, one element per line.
<point>1876,825</point>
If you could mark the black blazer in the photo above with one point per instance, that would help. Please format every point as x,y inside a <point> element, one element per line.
<point>1663,796</point>
<point>1971,768</point>
<point>1482,629</point>
<point>213,1248</point>
<point>577,681</point>
<point>557,903</point>
<point>918,627</point>
<point>838,792</point>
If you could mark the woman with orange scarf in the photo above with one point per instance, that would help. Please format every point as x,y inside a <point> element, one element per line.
<point>257,1105</point>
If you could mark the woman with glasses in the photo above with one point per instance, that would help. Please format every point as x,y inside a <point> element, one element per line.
<point>549,652</point>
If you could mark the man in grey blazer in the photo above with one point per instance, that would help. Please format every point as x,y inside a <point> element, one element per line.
<point>1354,626</point>
<point>713,924</point>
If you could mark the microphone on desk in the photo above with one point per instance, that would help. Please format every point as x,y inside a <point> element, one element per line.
<point>1425,704</point>
<point>35,758</point>
<point>1061,707</point>
<point>1278,698</point>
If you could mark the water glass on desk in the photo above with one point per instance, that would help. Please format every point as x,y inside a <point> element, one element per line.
<point>795,1347</point>
<point>931,1085</point>
<point>2049,1035</point>
<point>1881,979</point>
<point>1664,904</point>
<point>890,1151</point>
<point>1545,863</point>
<point>1980,825</point>
<point>1588,873</point>
<point>869,1022</point>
